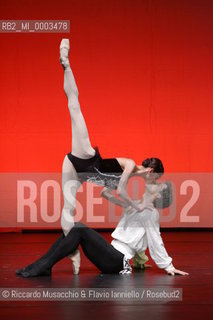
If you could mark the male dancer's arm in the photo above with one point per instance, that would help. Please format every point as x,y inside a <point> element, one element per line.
<point>107,194</point>
<point>140,259</point>
<point>156,245</point>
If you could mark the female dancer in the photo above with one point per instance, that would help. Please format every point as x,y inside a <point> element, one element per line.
<point>84,163</point>
<point>134,232</point>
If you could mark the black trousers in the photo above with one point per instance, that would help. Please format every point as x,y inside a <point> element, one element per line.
<point>102,254</point>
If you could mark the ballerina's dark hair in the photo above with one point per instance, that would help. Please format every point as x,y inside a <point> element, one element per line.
<point>166,197</point>
<point>154,163</point>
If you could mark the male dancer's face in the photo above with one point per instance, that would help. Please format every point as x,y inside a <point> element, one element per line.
<point>155,189</point>
<point>151,176</point>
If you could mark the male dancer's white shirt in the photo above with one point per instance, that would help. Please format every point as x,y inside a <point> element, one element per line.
<point>138,230</point>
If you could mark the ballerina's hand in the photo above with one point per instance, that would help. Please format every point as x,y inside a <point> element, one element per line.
<point>173,272</point>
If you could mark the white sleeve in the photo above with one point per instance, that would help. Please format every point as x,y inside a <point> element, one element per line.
<point>155,242</point>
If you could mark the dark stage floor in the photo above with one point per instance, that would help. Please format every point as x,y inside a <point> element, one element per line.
<point>191,252</point>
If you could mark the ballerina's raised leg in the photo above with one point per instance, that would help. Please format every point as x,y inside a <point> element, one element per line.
<point>81,146</point>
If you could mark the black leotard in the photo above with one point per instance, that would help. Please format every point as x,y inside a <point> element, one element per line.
<point>105,172</point>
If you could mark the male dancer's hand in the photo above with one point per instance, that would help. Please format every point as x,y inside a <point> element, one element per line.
<point>144,205</point>
<point>175,271</point>
<point>140,207</point>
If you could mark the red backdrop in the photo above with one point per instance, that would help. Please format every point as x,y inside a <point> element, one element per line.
<point>144,71</point>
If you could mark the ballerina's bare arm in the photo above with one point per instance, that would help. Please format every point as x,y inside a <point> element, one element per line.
<point>107,194</point>
<point>129,167</point>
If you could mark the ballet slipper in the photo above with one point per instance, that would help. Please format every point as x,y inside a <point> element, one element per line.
<point>64,52</point>
<point>76,261</point>
<point>29,267</point>
<point>19,271</point>
<point>38,268</point>
<point>32,273</point>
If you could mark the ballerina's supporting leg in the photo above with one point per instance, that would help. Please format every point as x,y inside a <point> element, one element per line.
<point>70,186</point>
<point>96,248</point>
